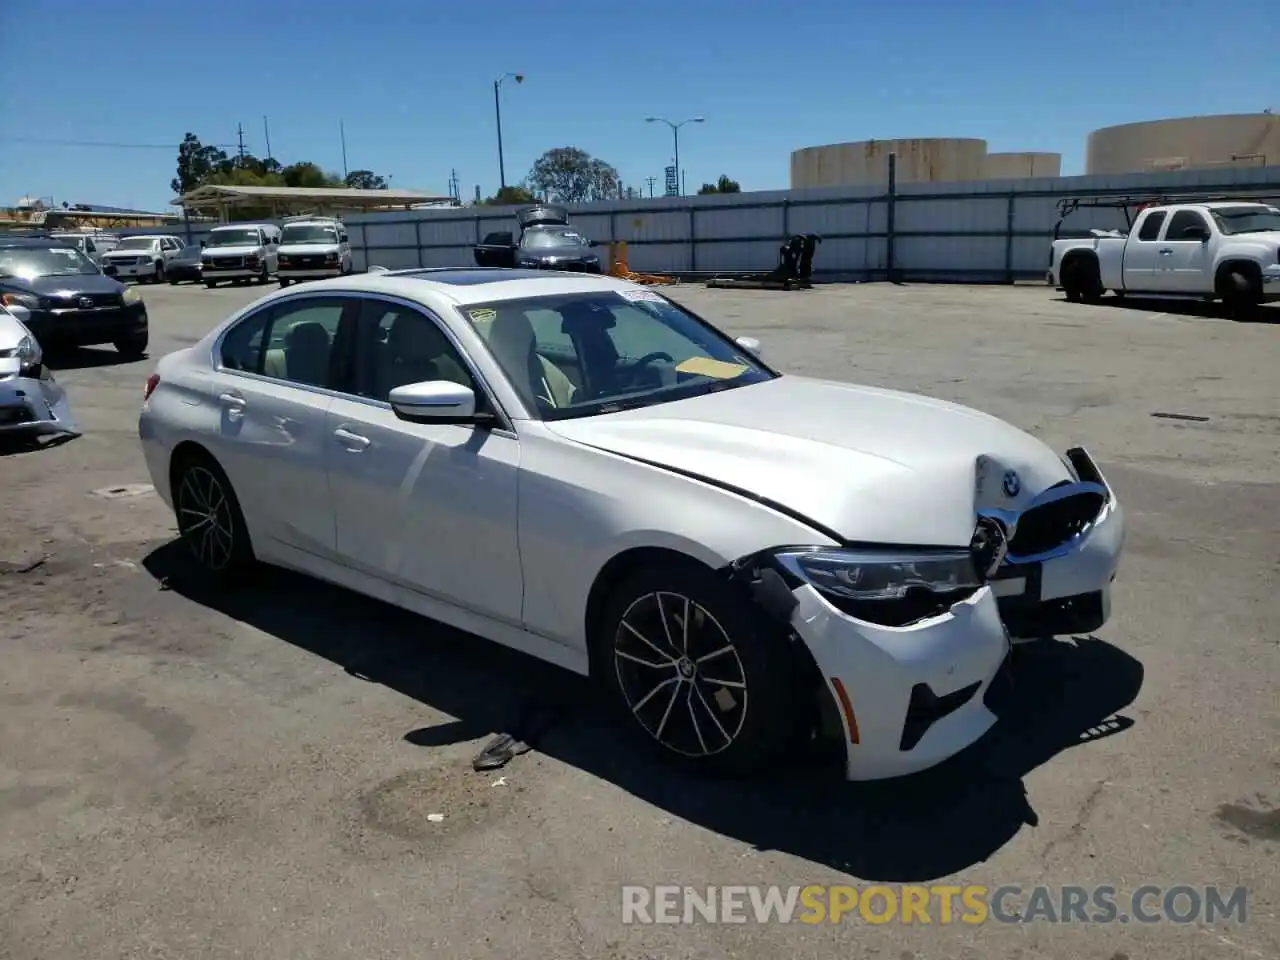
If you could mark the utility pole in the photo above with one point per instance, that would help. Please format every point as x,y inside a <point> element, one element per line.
<point>650,181</point>
<point>266,133</point>
<point>497,113</point>
<point>342,132</point>
<point>240,137</point>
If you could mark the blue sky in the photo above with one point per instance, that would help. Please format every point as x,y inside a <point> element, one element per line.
<point>413,82</point>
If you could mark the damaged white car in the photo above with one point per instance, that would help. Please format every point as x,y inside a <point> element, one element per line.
<point>582,469</point>
<point>31,401</point>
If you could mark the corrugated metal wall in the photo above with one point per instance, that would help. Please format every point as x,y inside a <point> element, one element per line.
<point>995,230</point>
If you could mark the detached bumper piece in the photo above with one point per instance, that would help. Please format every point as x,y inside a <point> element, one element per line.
<point>926,708</point>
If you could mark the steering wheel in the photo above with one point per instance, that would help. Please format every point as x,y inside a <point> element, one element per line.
<point>649,358</point>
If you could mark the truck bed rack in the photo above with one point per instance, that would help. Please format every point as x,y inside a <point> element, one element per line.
<point>1129,202</point>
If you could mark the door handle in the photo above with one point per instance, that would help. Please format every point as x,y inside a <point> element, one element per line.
<point>234,404</point>
<point>353,441</point>
<point>1166,252</point>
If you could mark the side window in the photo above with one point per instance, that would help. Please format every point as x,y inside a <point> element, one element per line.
<point>293,342</point>
<point>1181,221</point>
<point>89,246</point>
<point>400,345</point>
<point>1151,226</point>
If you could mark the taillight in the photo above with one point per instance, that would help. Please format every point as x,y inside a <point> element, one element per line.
<point>153,381</point>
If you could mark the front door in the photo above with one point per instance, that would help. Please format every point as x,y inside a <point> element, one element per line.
<point>431,507</point>
<point>1185,262</point>
<point>273,391</point>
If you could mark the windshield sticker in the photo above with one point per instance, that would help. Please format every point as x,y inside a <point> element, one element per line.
<point>483,316</point>
<point>636,296</point>
<point>715,369</point>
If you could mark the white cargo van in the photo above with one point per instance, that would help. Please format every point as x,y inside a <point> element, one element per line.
<point>240,252</point>
<point>313,247</point>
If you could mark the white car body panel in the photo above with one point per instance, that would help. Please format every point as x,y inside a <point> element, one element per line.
<point>503,531</point>
<point>31,401</point>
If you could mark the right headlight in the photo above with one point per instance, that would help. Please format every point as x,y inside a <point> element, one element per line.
<point>892,587</point>
<point>29,300</point>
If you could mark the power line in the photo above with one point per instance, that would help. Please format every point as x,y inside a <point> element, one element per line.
<point>104,144</point>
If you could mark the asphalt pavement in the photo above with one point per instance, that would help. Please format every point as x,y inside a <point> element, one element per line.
<point>286,772</point>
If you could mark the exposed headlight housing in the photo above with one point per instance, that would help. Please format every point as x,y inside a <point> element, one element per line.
<point>131,295</point>
<point>890,587</point>
<point>29,353</point>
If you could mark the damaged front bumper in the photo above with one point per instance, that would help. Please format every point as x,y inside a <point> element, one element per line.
<point>32,402</point>
<point>909,696</point>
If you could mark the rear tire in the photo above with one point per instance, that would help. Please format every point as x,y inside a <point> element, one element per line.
<point>210,284</point>
<point>284,282</point>
<point>704,677</point>
<point>210,521</point>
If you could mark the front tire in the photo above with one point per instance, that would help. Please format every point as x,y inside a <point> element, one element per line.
<point>133,345</point>
<point>210,521</point>
<point>702,674</point>
<point>210,284</point>
<point>159,277</point>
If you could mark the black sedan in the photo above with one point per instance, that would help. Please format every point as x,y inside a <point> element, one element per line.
<point>185,265</point>
<point>65,300</point>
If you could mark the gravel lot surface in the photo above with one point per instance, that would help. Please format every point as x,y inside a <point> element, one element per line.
<point>191,775</point>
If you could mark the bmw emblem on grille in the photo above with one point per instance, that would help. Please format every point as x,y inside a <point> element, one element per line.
<point>1012,485</point>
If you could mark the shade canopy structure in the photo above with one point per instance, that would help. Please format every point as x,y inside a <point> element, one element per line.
<point>225,200</point>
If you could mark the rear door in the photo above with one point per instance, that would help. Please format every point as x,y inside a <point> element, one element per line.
<point>1141,253</point>
<point>276,377</point>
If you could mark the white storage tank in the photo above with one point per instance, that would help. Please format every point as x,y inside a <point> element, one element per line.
<point>921,160</point>
<point>1186,143</point>
<point>1015,166</point>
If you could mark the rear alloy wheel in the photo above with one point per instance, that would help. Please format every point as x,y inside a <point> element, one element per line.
<point>209,519</point>
<point>699,671</point>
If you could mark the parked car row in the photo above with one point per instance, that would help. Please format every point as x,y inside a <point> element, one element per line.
<point>307,248</point>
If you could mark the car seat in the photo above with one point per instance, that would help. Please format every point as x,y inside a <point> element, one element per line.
<point>417,351</point>
<point>306,353</point>
<point>537,379</point>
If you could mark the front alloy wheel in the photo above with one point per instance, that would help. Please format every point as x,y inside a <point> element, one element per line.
<point>680,674</point>
<point>689,660</point>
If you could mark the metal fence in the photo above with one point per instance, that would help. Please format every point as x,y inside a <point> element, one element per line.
<point>985,231</point>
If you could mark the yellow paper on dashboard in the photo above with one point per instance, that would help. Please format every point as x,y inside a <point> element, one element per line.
<point>707,367</point>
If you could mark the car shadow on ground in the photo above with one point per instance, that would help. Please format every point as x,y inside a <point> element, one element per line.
<point>84,358</point>
<point>1057,695</point>
<point>1185,308</point>
<point>14,444</point>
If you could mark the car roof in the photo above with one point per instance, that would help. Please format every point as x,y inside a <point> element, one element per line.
<point>30,241</point>
<point>464,285</point>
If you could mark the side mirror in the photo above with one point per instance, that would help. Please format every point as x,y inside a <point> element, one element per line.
<point>750,344</point>
<point>434,401</point>
<point>595,243</point>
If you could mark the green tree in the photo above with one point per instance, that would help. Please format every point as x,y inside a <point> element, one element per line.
<point>723,185</point>
<point>196,162</point>
<point>571,175</point>
<point>365,180</point>
<point>307,174</point>
<point>512,196</point>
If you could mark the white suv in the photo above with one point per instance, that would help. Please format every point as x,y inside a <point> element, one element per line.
<point>141,258</point>
<point>313,247</point>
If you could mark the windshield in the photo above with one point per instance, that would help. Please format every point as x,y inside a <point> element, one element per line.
<point>583,354</point>
<point>136,243</point>
<point>543,238</point>
<point>309,233</point>
<point>1246,219</point>
<point>51,261</point>
<point>232,238</point>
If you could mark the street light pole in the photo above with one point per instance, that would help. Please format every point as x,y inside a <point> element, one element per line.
<point>497,113</point>
<point>675,140</point>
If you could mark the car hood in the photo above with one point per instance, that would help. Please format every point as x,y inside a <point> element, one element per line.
<point>238,250</point>
<point>307,249</point>
<point>872,465</point>
<point>68,286</point>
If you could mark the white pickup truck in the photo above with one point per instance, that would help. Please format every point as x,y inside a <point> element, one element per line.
<point>1228,251</point>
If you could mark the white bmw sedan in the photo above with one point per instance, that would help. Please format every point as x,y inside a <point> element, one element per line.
<point>582,469</point>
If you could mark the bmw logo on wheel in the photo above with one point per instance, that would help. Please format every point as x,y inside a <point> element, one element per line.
<point>1011,483</point>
